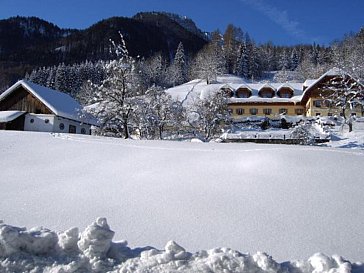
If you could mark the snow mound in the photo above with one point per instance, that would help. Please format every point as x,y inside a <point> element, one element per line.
<point>42,250</point>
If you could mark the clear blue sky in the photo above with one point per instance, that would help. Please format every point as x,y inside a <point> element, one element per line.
<point>284,22</point>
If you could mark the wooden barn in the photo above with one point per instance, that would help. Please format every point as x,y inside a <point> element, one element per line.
<point>27,106</point>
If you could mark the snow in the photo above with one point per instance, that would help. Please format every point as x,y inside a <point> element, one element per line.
<point>199,88</point>
<point>6,116</point>
<point>289,201</point>
<point>353,140</point>
<point>58,102</point>
<point>42,250</point>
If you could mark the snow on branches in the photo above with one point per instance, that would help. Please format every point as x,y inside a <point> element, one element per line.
<point>118,97</point>
<point>344,93</point>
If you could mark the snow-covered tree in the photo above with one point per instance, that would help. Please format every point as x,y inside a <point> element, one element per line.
<point>208,116</point>
<point>233,37</point>
<point>252,50</point>
<point>349,55</point>
<point>304,133</point>
<point>308,70</point>
<point>343,92</point>
<point>178,69</point>
<point>60,82</point>
<point>294,59</point>
<point>156,114</point>
<point>210,61</point>
<point>242,63</point>
<point>39,76</point>
<point>153,71</point>
<point>116,100</point>
<point>284,62</point>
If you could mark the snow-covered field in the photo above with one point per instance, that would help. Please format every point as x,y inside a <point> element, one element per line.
<point>288,201</point>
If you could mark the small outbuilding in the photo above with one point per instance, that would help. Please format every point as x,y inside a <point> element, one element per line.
<point>27,106</point>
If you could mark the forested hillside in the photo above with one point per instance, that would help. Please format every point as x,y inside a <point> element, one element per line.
<point>168,49</point>
<point>28,43</point>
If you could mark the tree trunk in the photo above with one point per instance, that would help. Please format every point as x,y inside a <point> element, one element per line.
<point>126,129</point>
<point>350,126</point>
<point>160,132</point>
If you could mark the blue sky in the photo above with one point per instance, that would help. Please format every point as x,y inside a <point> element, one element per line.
<point>284,22</point>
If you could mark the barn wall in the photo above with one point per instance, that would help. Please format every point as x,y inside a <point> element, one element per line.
<point>52,123</point>
<point>66,123</point>
<point>22,100</point>
<point>39,122</point>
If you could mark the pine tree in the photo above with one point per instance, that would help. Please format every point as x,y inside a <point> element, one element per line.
<point>242,64</point>
<point>233,37</point>
<point>60,78</point>
<point>179,67</point>
<point>284,60</point>
<point>294,60</point>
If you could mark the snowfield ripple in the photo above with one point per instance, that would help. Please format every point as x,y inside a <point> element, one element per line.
<point>43,250</point>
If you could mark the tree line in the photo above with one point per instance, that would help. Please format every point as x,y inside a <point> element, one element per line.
<point>127,94</point>
<point>232,52</point>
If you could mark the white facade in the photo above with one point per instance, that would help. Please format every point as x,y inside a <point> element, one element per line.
<point>52,123</point>
<point>81,128</point>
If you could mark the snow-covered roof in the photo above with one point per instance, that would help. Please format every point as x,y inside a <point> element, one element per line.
<point>331,73</point>
<point>244,86</point>
<point>266,85</point>
<point>309,82</point>
<point>6,116</point>
<point>58,102</point>
<point>199,88</point>
<point>285,85</point>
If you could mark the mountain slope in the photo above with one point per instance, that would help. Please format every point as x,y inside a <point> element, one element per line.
<point>29,42</point>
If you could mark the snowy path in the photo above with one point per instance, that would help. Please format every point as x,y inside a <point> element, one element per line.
<point>289,201</point>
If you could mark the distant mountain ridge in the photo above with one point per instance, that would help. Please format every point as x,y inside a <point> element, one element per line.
<point>29,42</point>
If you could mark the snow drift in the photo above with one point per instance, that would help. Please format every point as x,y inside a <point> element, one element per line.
<point>288,201</point>
<point>43,250</point>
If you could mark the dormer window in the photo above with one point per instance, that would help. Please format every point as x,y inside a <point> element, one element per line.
<point>285,92</point>
<point>243,93</point>
<point>266,92</point>
<point>227,91</point>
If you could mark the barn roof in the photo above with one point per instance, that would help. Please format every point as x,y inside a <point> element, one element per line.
<point>58,102</point>
<point>333,72</point>
<point>6,116</point>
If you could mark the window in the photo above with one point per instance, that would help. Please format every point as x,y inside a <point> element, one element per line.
<point>267,94</point>
<point>253,111</point>
<point>243,93</point>
<point>285,95</point>
<point>299,111</point>
<point>283,111</point>
<point>285,92</point>
<point>228,92</point>
<point>329,114</point>
<point>317,103</point>
<point>61,126</point>
<point>353,114</point>
<point>239,111</point>
<point>72,129</point>
<point>46,120</point>
<point>327,103</point>
<point>318,114</point>
<point>83,131</point>
<point>32,120</point>
<point>267,111</point>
